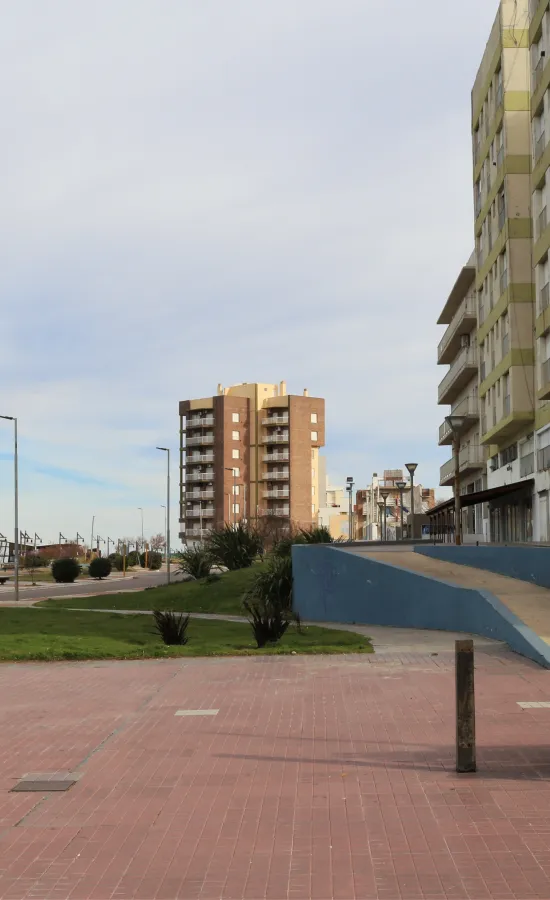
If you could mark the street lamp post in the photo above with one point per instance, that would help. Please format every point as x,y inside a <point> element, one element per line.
<point>142,535</point>
<point>349,489</point>
<point>381,506</point>
<point>385,493</point>
<point>411,469</point>
<point>401,485</point>
<point>16,504</point>
<point>456,424</point>
<point>168,554</point>
<point>162,506</point>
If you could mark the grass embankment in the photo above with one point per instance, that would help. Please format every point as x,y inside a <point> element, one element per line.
<point>223,597</point>
<point>46,634</point>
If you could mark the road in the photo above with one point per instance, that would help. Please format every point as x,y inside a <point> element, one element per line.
<point>133,582</point>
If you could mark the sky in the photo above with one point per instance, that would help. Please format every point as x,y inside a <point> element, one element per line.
<point>203,192</point>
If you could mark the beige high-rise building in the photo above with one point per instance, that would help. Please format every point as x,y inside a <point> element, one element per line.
<point>251,452</point>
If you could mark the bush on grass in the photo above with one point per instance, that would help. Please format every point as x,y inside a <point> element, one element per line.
<point>195,561</point>
<point>268,602</point>
<point>117,561</point>
<point>100,567</point>
<point>234,546</point>
<point>317,535</point>
<point>171,626</point>
<point>132,558</point>
<point>153,558</point>
<point>66,570</point>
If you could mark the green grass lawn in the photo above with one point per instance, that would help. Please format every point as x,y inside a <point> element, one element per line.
<point>223,596</point>
<point>44,634</point>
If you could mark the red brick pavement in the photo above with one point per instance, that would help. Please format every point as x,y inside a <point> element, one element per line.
<point>321,777</point>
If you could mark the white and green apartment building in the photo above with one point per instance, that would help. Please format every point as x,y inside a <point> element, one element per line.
<point>511,162</point>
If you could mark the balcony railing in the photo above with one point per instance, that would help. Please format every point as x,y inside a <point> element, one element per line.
<point>200,422</point>
<point>471,457</point>
<point>276,476</point>
<point>195,533</point>
<point>200,439</point>
<point>199,458</point>
<point>282,494</point>
<point>527,465</point>
<point>540,146</point>
<point>447,471</point>
<point>468,408</point>
<point>276,420</point>
<point>200,476</point>
<point>466,310</point>
<point>276,457</point>
<point>466,360</point>
<point>545,297</point>
<point>275,438</point>
<point>506,406</point>
<point>505,344</point>
<point>199,495</point>
<point>537,74</point>
<point>283,511</point>
<point>503,280</point>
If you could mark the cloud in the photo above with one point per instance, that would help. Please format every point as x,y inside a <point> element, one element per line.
<point>195,193</point>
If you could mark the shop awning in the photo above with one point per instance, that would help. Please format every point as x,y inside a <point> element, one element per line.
<point>483,496</point>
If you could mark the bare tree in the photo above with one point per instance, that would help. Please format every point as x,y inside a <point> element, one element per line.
<point>157,542</point>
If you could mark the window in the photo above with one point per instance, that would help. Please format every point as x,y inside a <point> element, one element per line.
<point>313,435</point>
<point>236,490</point>
<point>313,509</point>
<point>235,453</point>
<point>235,417</point>
<point>236,508</point>
<point>509,455</point>
<point>236,472</point>
<point>314,418</point>
<point>236,435</point>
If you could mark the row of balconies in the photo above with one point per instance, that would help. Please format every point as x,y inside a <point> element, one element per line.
<point>461,372</point>
<point>468,408</point>
<point>199,421</point>
<point>199,440</point>
<point>463,321</point>
<point>208,475</point>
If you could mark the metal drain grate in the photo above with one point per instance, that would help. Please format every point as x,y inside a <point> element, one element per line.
<point>535,704</point>
<point>45,781</point>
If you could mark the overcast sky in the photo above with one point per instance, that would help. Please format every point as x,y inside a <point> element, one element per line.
<point>195,192</point>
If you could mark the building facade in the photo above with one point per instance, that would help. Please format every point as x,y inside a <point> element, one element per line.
<point>369,518</point>
<point>249,453</point>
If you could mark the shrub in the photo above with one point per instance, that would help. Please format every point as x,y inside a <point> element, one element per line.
<point>65,570</point>
<point>234,546</point>
<point>318,535</point>
<point>195,561</point>
<point>33,561</point>
<point>117,561</point>
<point>171,626</point>
<point>269,601</point>
<point>132,558</point>
<point>100,567</point>
<point>154,560</point>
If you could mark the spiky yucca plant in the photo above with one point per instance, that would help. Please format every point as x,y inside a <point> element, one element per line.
<point>234,546</point>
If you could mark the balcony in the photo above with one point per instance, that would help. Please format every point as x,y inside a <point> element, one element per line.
<point>461,372</point>
<point>199,495</point>
<point>463,321</point>
<point>200,476</point>
<point>200,422</point>
<point>469,409</point>
<point>540,146</point>
<point>199,458</point>
<point>276,476</point>
<point>280,511</point>
<point>198,513</point>
<point>544,392</point>
<point>276,457</point>
<point>275,420</point>
<point>278,493</point>
<point>470,459</point>
<point>200,439</point>
<point>275,438</point>
<point>194,533</point>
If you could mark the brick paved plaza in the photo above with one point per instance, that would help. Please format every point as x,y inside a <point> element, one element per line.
<point>321,777</point>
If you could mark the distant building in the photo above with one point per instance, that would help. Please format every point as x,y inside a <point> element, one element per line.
<point>368,513</point>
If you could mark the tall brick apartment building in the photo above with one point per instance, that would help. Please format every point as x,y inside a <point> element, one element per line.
<point>249,453</point>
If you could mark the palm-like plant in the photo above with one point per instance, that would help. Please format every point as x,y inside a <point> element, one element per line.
<point>234,546</point>
<point>195,561</point>
<point>269,601</point>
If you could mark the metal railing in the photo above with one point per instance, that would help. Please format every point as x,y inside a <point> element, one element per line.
<point>199,422</point>
<point>540,146</point>
<point>197,513</point>
<point>200,476</point>
<point>527,464</point>
<point>194,532</point>
<point>199,458</point>
<point>467,358</point>
<point>283,511</point>
<point>276,457</point>
<point>275,494</point>
<point>276,476</point>
<point>447,471</point>
<point>199,495</point>
<point>275,420</point>
<point>200,439</point>
<point>276,438</point>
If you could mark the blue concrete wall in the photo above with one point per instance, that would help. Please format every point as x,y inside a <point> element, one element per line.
<point>526,563</point>
<point>332,585</point>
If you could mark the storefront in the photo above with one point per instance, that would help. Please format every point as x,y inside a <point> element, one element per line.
<point>510,512</point>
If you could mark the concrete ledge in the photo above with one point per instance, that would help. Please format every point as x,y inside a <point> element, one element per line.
<point>331,585</point>
<point>530,564</point>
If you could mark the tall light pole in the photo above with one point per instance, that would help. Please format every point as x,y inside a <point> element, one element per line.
<point>385,493</point>
<point>16,501</point>
<point>227,469</point>
<point>349,489</point>
<point>142,535</point>
<point>401,485</point>
<point>411,469</point>
<point>168,554</point>
<point>456,424</point>
<point>381,506</point>
<point>92,539</point>
<point>162,506</point>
